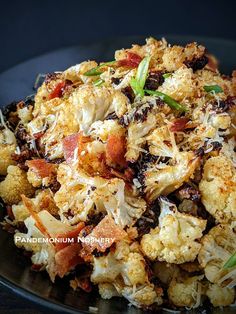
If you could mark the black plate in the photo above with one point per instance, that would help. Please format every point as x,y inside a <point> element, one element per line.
<point>17,83</point>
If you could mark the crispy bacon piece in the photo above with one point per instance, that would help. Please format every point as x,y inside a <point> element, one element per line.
<point>69,235</point>
<point>71,142</point>
<point>42,168</point>
<point>104,235</point>
<point>132,60</point>
<point>116,149</point>
<point>67,258</point>
<point>59,89</point>
<point>179,124</point>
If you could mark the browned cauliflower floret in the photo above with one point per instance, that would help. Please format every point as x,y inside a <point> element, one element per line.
<point>86,195</point>
<point>218,188</point>
<point>76,72</point>
<point>7,146</point>
<point>216,248</point>
<point>175,239</point>
<point>6,150</point>
<point>124,273</point>
<point>163,179</point>
<point>186,292</point>
<point>180,85</point>
<point>14,185</point>
<point>220,296</point>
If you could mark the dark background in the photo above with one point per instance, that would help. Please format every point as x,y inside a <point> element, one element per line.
<point>30,28</point>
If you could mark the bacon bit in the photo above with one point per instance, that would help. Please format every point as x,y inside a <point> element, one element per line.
<point>116,149</point>
<point>59,89</point>
<point>106,229</point>
<point>67,258</point>
<point>84,283</point>
<point>69,235</point>
<point>30,206</point>
<point>38,135</point>
<point>179,124</point>
<point>36,267</point>
<point>126,176</point>
<point>10,212</point>
<point>132,60</point>
<point>71,142</point>
<point>42,168</point>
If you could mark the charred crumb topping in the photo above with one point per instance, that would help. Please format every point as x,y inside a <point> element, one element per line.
<point>140,151</point>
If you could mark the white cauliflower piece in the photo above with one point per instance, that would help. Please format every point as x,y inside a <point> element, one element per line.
<point>7,146</point>
<point>95,103</point>
<point>220,296</point>
<point>108,291</point>
<point>102,129</point>
<point>216,248</point>
<point>186,292</point>
<point>218,189</point>
<point>175,239</point>
<point>160,143</point>
<point>84,193</point>
<point>123,272</point>
<point>180,85</point>
<point>167,178</point>
<point>144,295</point>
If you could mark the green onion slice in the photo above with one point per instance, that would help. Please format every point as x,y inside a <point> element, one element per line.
<point>138,82</point>
<point>213,88</point>
<point>167,99</point>
<point>166,75</point>
<point>231,262</point>
<point>96,71</point>
<point>98,82</point>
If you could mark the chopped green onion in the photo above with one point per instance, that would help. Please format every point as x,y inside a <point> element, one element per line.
<point>96,71</point>
<point>98,82</point>
<point>167,99</point>
<point>166,75</point>
<point>231,262</point>
<point>213,88</point>
<point>138,82</point>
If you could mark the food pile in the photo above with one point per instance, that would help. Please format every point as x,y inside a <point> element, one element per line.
<point>136,158</point>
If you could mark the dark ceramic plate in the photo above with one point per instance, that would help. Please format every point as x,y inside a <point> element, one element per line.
<point>15,84</point>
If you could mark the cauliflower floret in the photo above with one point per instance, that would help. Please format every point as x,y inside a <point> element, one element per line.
<point>107,291</point>
<point>218,188</point>
<point>142,119</point>
<point>43,200</point>
<point>14,185</point>
<point>220,296</point>
<point>75,73</point>
<point>216,248</point>
<point>159,142</point>
<point>95,103</point>
<point>186,292</point>
<point>144,295</point>
<point>84,193</point>
<point>167,178</point>
<point>6,150</point>
<point>174,57</point>
<point>103,129</point>
<point>174,240</point>
<point>7,146</point>
<point>125,270</point>
<point>180,85</point>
